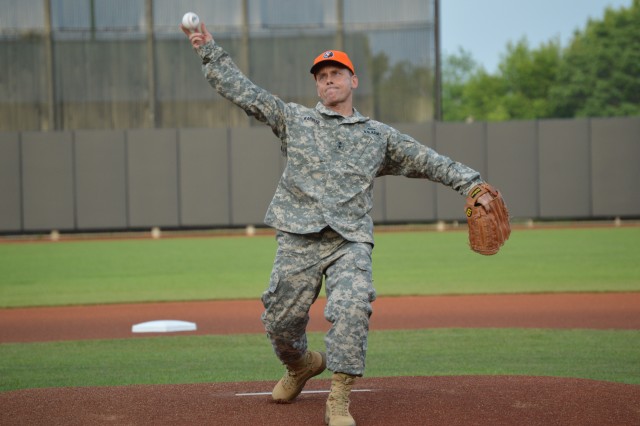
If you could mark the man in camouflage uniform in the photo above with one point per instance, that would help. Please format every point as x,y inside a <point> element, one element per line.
<point>321,213</point>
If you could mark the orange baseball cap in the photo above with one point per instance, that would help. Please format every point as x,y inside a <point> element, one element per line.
<point>332,56</point>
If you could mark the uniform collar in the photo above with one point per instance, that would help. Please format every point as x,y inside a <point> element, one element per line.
<point>356,117</point>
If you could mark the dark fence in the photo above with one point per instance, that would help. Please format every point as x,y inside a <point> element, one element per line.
<point>88,180</point>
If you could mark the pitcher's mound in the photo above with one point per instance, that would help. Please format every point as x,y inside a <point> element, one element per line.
<point>464,400</point>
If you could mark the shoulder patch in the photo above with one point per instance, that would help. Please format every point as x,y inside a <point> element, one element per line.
<point>312,119</point>
<point>372,131</point>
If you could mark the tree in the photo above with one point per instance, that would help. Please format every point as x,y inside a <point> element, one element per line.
<point>599,74</point>
<point>457,70</point>
<point>518,90</point>
<point>596,75</point>
<point>483,97</point>
<point>528,77</point>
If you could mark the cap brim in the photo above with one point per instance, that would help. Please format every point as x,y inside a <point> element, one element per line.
<point>320,64</point>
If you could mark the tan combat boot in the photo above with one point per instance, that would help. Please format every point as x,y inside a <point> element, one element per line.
<point>337,412</point>
<point>311,364</point>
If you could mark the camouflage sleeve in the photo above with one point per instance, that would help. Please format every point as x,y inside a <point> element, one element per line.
<point>227,79</point>
<point>407,157</point>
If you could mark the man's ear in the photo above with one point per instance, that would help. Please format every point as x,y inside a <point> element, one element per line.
<point>354,81</point>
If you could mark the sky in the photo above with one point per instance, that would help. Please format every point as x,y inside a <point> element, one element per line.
<point>484,27</point>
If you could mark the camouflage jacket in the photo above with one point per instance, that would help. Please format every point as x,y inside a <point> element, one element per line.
<point>332,160</point>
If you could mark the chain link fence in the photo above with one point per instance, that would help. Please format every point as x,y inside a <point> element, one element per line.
<point>119,64</point>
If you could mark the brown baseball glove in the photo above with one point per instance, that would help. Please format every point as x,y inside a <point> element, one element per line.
<point>488,219</point>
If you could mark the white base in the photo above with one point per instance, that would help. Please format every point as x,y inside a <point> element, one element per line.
<point>163,326</point>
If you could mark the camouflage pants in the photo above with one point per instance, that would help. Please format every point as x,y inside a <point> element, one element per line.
<point>301,263</point>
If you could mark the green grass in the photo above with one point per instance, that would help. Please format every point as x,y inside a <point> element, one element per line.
<point>532,261</point>
<point>544,260</point>
<point>599,355</point>
<point>90,272</point>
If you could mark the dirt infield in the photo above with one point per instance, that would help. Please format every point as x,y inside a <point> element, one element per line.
<point>451,401</point>
<point>475,400</point>
<point>558,310</point>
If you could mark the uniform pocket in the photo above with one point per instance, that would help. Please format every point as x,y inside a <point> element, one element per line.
<point>268,297</point>
<point>363,265</point>
<point>273,281</point>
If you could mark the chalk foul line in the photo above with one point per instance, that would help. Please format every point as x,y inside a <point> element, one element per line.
<point>306,392</point>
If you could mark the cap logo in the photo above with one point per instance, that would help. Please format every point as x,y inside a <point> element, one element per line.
<point>328,54</point>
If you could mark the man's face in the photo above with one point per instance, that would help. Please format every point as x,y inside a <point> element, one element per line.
<point>335,84</point>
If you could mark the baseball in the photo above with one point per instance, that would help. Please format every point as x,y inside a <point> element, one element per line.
<point>190,21</point>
